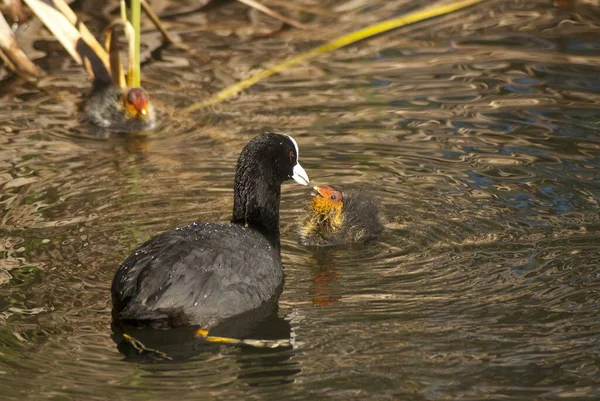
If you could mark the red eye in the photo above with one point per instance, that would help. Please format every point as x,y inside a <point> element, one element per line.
<point>291,154</point>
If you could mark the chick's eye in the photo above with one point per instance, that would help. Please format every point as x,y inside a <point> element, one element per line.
<point>333,197</point>
<point>292,155</point>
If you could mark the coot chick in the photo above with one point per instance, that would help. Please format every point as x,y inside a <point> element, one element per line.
<point>126,110</point>
<point>204,273</point>
<point>336,218</point>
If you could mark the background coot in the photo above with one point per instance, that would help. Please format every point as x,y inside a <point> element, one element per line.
<point>119,109</point>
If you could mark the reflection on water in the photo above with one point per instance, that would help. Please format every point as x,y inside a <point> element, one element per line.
<point>256,366</point>
<point>326,277</point>
<point>478,131</point>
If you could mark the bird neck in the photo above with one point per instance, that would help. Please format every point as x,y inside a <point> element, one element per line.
<point>323,220</point>
<point>256,205</point>
<point>326,212</point>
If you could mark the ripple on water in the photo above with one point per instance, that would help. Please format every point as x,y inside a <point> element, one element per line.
<point>477,132</point>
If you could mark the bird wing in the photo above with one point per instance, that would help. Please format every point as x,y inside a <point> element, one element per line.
<point>206,274</point>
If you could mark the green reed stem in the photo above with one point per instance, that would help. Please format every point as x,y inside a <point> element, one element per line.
<point>135,21</point>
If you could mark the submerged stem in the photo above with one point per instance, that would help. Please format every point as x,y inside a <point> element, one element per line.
<point>342,41</point>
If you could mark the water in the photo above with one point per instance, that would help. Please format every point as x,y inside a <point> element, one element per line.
<point>478,132</point>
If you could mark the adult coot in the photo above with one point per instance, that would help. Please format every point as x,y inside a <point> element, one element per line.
<point>335,218</point>
<point>204,273</point>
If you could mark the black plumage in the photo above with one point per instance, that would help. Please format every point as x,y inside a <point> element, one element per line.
<point>204,273</point>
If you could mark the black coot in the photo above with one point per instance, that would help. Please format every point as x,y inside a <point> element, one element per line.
<point>204,273</point>
<point>336,218</point>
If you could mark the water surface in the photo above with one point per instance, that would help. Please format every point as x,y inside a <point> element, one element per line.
<point>479,133</point>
